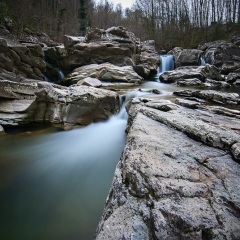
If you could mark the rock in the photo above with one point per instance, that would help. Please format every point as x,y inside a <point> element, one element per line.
<point>37,38</point>
<point>147,61</point>
<point>43,102</point>
<point>20,91</point>
<point>188,103</point>
<point>115,45</point>
<point>237,82</point>
<point>222,54</point>
<point>171,183</point>
<point>92,82</point>
<point>70,41</point>
<point>233,77</point>
<point>105,72</point>
<point>201,73</point>
<point>212,96</point>
<point>235,149</point>
<point>24,60</point>
<point>189,82</point>
<point>186,57</point>
<point>214,83</point>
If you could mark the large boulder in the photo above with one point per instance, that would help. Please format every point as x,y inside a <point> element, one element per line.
<point>177,178</point>
<point>200,72</point>
<point>147,60</point>
<point>223,54</point>
<point>104,72</point>
<point>43,102</point>
<point>186,57</point>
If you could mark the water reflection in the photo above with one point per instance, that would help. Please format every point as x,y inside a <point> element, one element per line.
<point>54,186</point>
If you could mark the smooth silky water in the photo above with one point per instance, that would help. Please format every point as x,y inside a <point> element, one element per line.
<point>54,185</point>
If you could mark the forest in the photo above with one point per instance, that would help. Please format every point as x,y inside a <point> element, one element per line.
<point>170,23</point>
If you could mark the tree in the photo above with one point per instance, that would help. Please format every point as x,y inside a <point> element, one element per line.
<point>82,15</point>
<point>4,11</point>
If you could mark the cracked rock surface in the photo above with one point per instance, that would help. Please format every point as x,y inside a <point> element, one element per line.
<point>178,177</point>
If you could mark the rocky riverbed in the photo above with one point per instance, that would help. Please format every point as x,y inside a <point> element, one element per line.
<point>179,173</point>
<point>178,177</point>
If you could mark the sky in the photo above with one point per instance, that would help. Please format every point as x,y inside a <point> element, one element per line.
<point>125,3</point>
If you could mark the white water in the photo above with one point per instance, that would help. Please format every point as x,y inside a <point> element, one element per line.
<point>60,74</point>
<point>202,61</point>
<point>167,63</point>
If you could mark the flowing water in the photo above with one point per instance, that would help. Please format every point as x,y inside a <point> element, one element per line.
<point>53,186</point>
<point>167,63</point>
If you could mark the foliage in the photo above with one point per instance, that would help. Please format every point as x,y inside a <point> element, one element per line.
<point>4,11</point>
<point>170,23</point>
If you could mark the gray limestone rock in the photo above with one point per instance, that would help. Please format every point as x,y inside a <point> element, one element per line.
<point>172,182</point>
<point>105,72</point>
<point>43,102</point>
<point>201,72</point>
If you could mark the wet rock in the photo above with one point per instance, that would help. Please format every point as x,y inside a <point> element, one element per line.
<point>212,96</point>
<point>233,77</point>
<point>173,180</point>
<point>186,57</point>
<point>201,73</point>
<point>105,72</point>
<point>92,82</point>
<point>222,54</point>
<point>43,102</point>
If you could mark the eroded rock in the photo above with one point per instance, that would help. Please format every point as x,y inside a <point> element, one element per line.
<point>105,72</point>
<point>212,96</point>
<point>170,186</point>
<point>43,102</point>
<point>201,72</point>
<point>186,57</point>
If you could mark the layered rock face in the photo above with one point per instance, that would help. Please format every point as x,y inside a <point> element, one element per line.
<point>194,75</point>
<point>42,102</point>
<point>21,60</point>
<point>114,45</point>
<point>178,177</point>
<point>104,72</point>
<point>186,57</point>
<point>223,54</point>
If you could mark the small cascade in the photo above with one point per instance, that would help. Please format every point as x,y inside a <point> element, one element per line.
<point>60,74</point>
<point>167,63</point>
<point>202,61</point>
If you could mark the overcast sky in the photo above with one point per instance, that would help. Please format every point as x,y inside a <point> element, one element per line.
<point>125,3</point>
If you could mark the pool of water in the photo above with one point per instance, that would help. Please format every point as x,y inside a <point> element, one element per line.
<point>53,185</point>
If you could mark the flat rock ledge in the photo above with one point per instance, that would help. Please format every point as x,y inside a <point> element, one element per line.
<point>179,175</point>
<point>64,107</point>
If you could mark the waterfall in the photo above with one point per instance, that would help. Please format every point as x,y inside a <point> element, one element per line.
<point>167,63</point>
<point>60,74</point>
<point>202,61</point>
